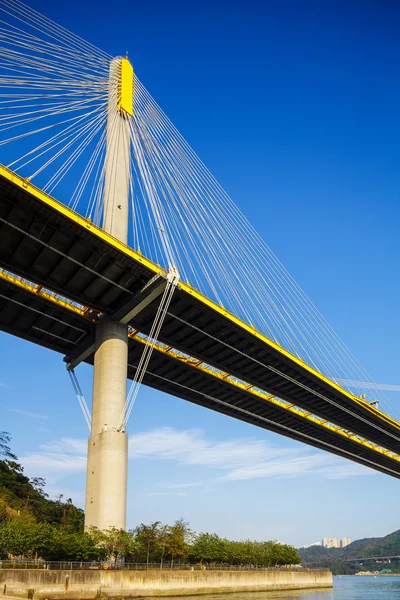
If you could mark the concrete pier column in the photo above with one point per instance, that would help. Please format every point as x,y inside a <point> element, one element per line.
<point>106,481</point>
<point>108,448</point>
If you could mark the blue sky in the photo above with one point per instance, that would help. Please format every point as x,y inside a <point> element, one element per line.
<point>294,108</point>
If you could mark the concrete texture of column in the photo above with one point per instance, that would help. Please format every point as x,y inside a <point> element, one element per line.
<point>108,448</point>
<point>106,481</point>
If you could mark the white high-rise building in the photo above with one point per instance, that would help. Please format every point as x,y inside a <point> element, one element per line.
<point>335,542</point>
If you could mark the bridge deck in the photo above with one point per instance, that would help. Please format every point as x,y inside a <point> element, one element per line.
<point>227,365</point>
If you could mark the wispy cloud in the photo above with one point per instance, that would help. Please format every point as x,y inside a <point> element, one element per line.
<point>240,459</point>
<point>26,413</point>
<point>58,458</point>
<point>158,494</point>
<point>235,460</point>
<point>323,465</point>
<point>180,486</point>
<point>192,447</point>
<point>65,446</point>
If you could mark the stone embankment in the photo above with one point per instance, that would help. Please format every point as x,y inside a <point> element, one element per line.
<point>131,584</point>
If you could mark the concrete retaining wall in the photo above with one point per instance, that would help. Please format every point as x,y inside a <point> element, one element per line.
<point>129,584</point>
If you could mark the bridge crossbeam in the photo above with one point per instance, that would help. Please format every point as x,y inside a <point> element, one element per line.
<point>150,293</point>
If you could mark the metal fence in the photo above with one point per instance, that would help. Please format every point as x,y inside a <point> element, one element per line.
<point>89,566</point>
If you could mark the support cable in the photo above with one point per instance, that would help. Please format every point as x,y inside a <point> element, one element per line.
<point>286,430</point>
<point>172,281</point>
<point>216,248</point>
<point>81,398</point>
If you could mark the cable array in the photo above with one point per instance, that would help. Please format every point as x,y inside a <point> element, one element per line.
<point>53,103</point>
<point>56,90</point>
<point>217,250</point>
<point>151,339</point>
<point>81,399</point>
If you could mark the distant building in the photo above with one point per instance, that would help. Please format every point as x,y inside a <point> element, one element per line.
<point>335,542</point>
<point>314,544</point>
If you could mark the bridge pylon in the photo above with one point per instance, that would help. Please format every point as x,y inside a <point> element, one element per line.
<point>106,480</point>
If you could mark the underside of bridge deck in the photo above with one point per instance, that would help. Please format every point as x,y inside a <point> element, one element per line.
<point>61,274</point>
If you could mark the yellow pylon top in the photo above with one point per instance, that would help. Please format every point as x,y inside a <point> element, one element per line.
<point>125,102</point>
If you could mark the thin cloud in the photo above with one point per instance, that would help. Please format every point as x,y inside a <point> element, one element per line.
<point>192,447</point>
<point>26,413</point>
<point>180,486</point>
<point>57,459</point>
<point>328,467</point>
<point>53,464</point>
<point>158,494</point>
<point>234,460</point>
<point>241,459</point>
<point>65,446</point>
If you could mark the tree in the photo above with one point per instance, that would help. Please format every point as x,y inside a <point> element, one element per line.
<point>116,543</point>
<point>150,542</point>
<point>5,450</point>
<point>25,500</point>
<point>210,548</point>
<point>32,525</point>
<point>14,538</point>
<point>45,541</point>
<point>177,540</point>
<point>38,484</point>
<point>72,517</point>
<point>163,536</point>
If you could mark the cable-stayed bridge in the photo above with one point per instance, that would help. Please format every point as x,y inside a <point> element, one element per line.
<point>118,248</point>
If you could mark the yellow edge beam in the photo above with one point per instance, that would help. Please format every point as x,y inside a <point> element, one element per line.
<point>194,363</point>
<point>86,224</point>
<point>201,366</point>
<point>186,287</point>
<point>38,290</point>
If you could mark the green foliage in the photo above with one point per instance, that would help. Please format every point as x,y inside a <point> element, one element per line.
<point>5,450</point>
<point>210,548</point>
<point>45,541</point>
<point>114,543</point>
<point>149,543</point>
<point>25,500</point>
<point>177,539</point>
<point>32,525</point>
<point>336,558</point>
<point>384,546</point>
<point>158,543</point>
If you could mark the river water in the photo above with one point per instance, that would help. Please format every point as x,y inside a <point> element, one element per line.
<point>344,588</point>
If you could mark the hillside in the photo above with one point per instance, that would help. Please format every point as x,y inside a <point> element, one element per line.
<point>384,546</point>
<point>336,558</point>
<point>24,500</point>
